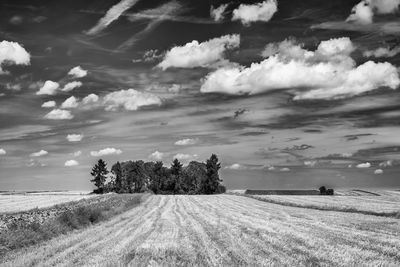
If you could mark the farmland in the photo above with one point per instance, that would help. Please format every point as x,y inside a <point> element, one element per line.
<point>381,202</point>
<point>16,202</point>
<point>220,230</point>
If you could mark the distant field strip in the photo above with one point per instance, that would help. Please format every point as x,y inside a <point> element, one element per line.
<point>387,205</point>
<point>222,230</point>
<point>21,202</point>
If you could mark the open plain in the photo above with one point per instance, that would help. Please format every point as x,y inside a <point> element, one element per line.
<point>221,230</point>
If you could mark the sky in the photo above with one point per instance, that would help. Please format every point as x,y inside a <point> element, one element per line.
<point>288,94</point>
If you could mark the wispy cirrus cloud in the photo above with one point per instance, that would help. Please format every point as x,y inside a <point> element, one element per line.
<point>112,14</point>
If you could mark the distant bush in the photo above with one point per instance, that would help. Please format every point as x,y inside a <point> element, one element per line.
<point>330,192</point>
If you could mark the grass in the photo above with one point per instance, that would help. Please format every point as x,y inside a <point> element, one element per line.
<point>21,234</point>
<point>221,230</point>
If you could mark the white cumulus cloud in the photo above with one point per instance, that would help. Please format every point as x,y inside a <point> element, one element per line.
<point>77,72</point>
<point>71,86</point>
<point>2,151</point>
<point>49,88</point>
<point>329,72</point>
<point>156,155</point>
<point>90,99</point>
<point>248,14</point>
<point>185,157</point>
<point>130,100</point>
<point>74,137</point>
<point>59,114</point>
<point>71,163</point>
<point>363,13</point>
<point>13,53</point>
<point>70,102</point>
<point>218,13</point>
<point>39,153</point>
<point>186,142</point>
<point>378,171</point>
<point>363,165</point>
<point>49,104</point>
<point>195,54</point>
<point>105,152</point>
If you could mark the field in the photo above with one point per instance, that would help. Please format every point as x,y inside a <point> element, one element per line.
<point>381,202</point>
<point>16,202</point>
<point>222,230</point>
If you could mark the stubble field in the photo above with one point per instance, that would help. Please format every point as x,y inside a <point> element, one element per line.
<point>222,230</point>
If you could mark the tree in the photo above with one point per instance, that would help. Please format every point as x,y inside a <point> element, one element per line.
<point>176,173</point>
<point>116,169</point>
<point>193,175</point>
<point>99,173</point>
<point>322,190</point>
<point>211,183</point>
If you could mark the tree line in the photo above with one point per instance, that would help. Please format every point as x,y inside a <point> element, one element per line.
<point>139,176</point>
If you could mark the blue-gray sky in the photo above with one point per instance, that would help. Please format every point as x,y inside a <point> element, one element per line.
<point>289,94</point>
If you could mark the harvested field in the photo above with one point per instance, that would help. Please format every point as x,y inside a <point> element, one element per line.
<point>383,203</point>
<point>17,202</point>
<point>222,230</point>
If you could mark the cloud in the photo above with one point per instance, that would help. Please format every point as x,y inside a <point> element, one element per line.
<point>363,13</point>
<point>329,72</point>
<point>16,20</point>
<point>248,14</point>
<point>49,104</point>
<point>363,165</point>
<point>70,102</point>
<point>71,163</point>
<point>284,169</point>
<point>112,14</point>
<point>39,153</point>
<point>235,166</point>
<point>385,164</point>
<point>218,14</point>
<point>310,163</point>
<point>378,171</point>
<point>2,152</point>
<point>130,100</point>
<point>195,54</point>
<point>156,155</point>
<point>186,142</point>
<point>74,137</point>
<point>13,53</point>
<point>382,52</point>
<point>59,114</point>
<point>92,98</point>
<point>78,72</point>
<point>77,153</point>
<point>71,86</point>
<point>106,152</point>
<point>185,157</point>
<point>49,88</point>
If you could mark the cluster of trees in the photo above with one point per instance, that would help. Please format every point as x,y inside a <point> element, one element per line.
<point>324,191</point>
<point>139,176</point>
